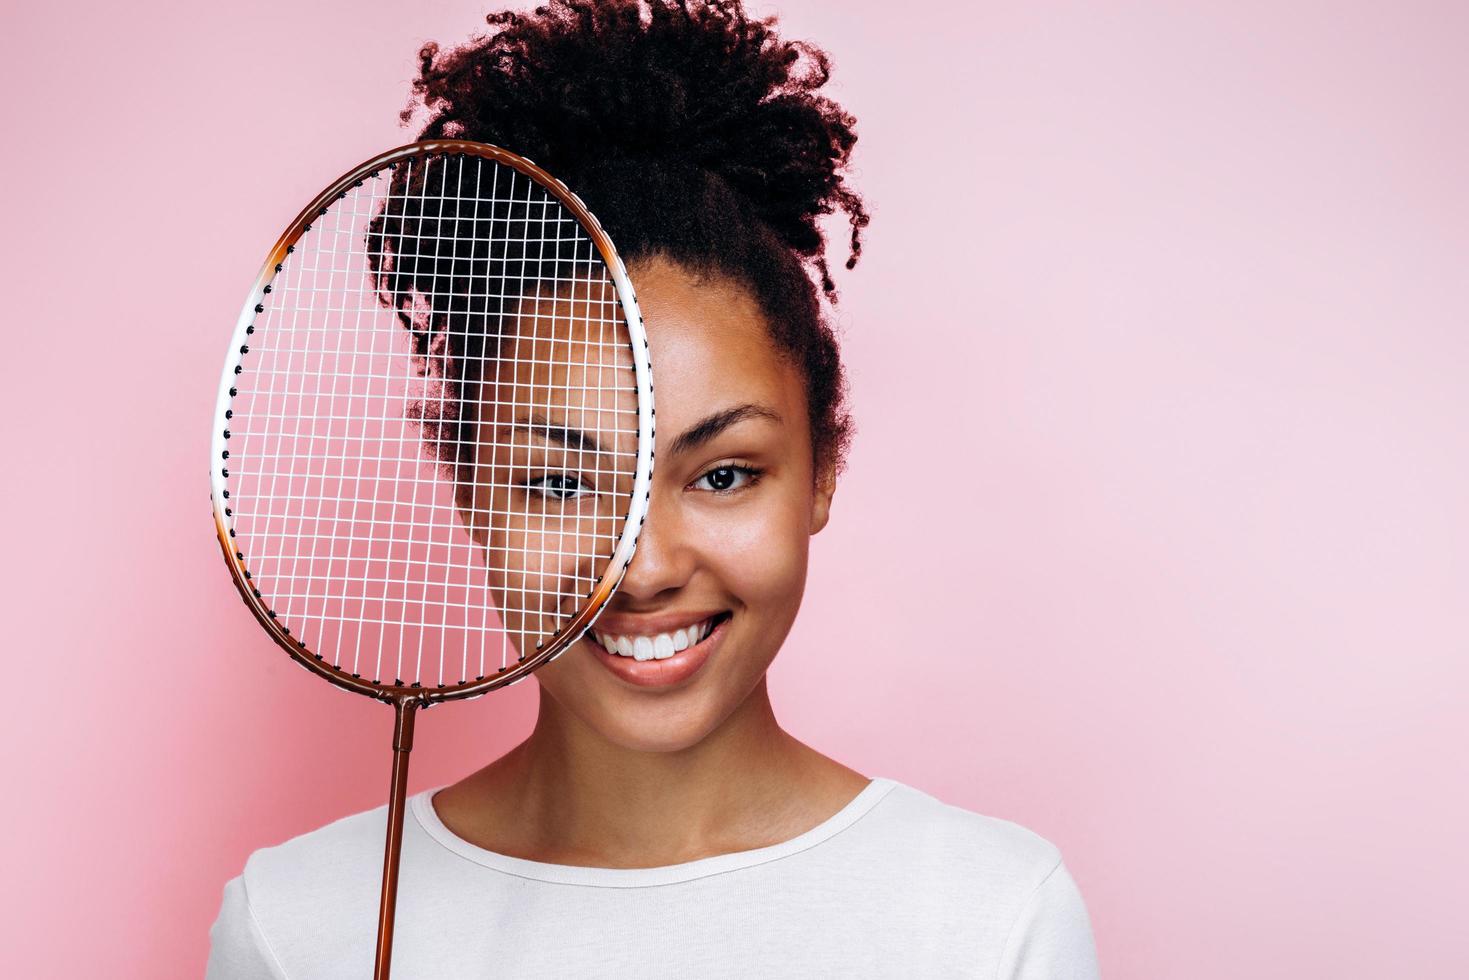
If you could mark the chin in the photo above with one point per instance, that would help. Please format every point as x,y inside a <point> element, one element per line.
<point>657,729</point>
<point>629,718</point>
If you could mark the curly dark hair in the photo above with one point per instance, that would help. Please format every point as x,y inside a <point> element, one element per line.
<point>710,145</point>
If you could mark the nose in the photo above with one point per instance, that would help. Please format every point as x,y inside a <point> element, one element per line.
<point>664,559</point>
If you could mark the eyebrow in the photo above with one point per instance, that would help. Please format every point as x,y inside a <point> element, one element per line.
<point>539,425</point>
<point>712,425</point>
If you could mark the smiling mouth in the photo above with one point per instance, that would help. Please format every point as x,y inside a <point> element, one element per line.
<point>657,646</point>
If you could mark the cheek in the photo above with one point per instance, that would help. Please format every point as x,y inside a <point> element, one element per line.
<point>758,551</point>
<point>541,563</point>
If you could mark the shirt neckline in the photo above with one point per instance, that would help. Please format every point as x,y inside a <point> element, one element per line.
<point>421,805</point>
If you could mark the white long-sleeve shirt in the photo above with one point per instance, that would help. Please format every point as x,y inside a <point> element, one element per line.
<point>895,885</point>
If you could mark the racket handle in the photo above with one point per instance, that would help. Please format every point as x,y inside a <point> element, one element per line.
<point>405,709</point>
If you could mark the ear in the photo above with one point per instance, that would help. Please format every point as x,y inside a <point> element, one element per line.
<point>464,500</point>
<point>464,494</point>
<point>465,472</point>
<point>825,488</point>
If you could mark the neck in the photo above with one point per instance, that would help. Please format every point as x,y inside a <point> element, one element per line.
<point>566,795</point>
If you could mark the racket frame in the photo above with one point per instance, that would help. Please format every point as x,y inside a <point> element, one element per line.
<point>546,651</point>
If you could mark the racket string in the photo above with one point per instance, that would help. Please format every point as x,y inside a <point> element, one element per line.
<point>351,424</point>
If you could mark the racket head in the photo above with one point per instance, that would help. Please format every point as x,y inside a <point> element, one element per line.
<point>244,511</point>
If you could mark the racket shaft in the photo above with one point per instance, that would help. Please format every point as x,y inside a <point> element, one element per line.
<point>397,799</point>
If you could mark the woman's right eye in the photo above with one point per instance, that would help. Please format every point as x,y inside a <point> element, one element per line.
<point>559,486</point>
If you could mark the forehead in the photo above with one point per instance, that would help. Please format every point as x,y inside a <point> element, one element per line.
<point>709,344</point>
<point>565,348</point>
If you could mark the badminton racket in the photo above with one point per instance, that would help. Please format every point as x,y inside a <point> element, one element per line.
<point>433,442</point>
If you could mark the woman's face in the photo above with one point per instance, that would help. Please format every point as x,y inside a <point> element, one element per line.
<point>734,503</point>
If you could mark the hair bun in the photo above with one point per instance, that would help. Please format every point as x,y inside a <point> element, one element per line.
<point>690,89</point>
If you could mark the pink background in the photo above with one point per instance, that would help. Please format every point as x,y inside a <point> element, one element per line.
<point>1163,400</point>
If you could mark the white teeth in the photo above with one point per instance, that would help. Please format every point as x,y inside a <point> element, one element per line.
<point>659,647</point>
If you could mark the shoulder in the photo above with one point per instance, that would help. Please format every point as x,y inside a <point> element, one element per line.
<point>311,891</point>
<point>339,862</point>
<point>318,855</point>
<point>993,880</point>
<point>1005,854</point>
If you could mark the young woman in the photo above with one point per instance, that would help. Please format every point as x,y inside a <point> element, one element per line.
<point>658,821</point>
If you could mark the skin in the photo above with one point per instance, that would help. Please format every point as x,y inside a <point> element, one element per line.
<point>618,776</point>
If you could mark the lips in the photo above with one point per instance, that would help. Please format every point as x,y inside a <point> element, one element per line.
<point>655,646</point>
<point>702,639</point>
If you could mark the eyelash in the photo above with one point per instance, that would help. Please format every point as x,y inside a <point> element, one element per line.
<point>537,485</point>
<point>752,476</point>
